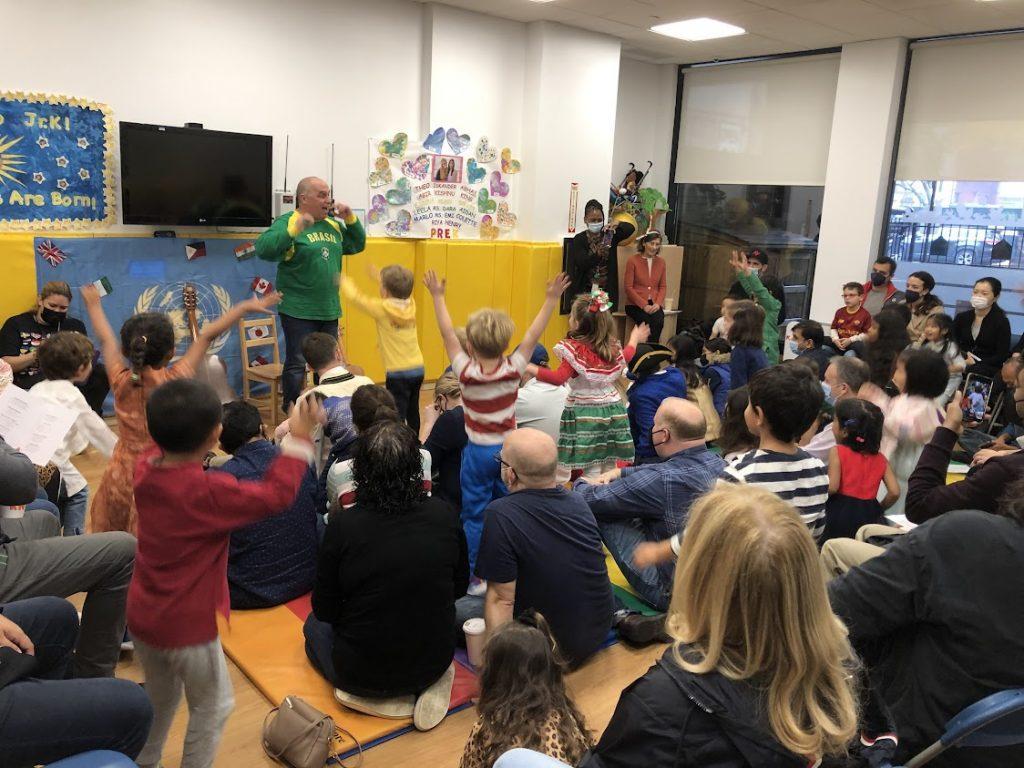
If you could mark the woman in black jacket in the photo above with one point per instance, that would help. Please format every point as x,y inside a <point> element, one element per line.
<point>983,333</point>
<point>593,257</point>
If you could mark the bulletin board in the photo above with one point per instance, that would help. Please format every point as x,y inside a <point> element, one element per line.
<point>448,186</point>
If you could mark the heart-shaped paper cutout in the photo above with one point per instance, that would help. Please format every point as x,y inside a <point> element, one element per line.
<point>380,177</point>
<point>400,226</point>
<point>458,142</point>
<point>483,202</point>
<point>418,169</point>
<point>378,209</point>
<point>508,165</point>
<point>498,187</point>
<point>395,147</point>
<point>401,194</point>
<point>505,217</point>
<point>474,172</point>
<point>487,229</point>
<point>434,141</point>
<point>485,153</point>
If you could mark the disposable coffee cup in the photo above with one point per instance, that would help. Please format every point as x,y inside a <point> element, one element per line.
<point>669,304</point>
<point>474,630</point>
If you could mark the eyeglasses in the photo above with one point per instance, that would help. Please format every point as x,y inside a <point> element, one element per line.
<point>501,461</point>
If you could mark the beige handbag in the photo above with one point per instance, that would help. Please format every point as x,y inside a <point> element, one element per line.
<point>300,735</point>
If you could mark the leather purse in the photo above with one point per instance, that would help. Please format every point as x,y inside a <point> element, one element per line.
<point>300,735</point>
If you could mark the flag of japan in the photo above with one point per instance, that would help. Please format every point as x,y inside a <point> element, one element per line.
<point>258,332</point>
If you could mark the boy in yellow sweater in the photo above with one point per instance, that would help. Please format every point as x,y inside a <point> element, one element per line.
<point>395,314</point>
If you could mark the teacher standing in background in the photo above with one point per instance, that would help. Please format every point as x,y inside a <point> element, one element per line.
<point>593,258</point>
<point>308,245</point>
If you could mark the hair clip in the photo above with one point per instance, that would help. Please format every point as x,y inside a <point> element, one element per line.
<point>144,339</point>
<point>858,439</point>
<point>599,301</point>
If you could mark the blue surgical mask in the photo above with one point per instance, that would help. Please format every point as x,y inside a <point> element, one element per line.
<point>794,347</point>
<point>828,393</point>
<point>755,271</point>
<point>595,226</point>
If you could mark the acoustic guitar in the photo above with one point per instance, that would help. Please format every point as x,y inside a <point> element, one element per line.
<point>213,372</point>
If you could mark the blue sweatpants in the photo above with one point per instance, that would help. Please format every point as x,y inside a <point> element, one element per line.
<point>481,483</point>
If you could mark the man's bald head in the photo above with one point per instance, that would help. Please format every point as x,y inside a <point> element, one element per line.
<point>313,196</point>
<point>533,457</point>
<point>682,419</point>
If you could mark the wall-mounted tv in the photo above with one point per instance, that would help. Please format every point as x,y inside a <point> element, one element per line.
<point>191,176</point>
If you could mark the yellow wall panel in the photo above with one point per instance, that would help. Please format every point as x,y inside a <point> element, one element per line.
<point>18,285</point>
<point>430,254</point>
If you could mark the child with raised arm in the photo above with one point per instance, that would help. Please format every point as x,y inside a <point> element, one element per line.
<point>752,284</point>
<point>490,384</point>
<point>147,341</point>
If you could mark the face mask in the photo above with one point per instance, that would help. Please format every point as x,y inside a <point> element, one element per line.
<point>794,347</point>
<point>912,296</point>
<point>755,271</point>
<point>979,302</point>
<point>828,393</point>
<point>595,226</point>
<point>52,316</point>
<point>878,279</point>
<point>654,440</point>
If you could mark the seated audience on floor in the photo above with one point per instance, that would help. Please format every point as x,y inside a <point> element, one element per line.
<point>371,404</point>
<point>654,379</point>
<point>443,436</point>
<point>390,569</point>
<point>936,620</point>
<point>687,349</point>
<point>974,440</point>
<point>747,570</point>
<point>541,549</point>
<point>809,342</point>
<point>717,352</point>
<point>274,560</point>
<point>539,405</point>
<point>736,438</point>
<point>886,339</point>
<point>177,587</point>
<point>22,334</point>
<point>523,699</point>
<point>844,377</point>
<point>983,332</point>
<point>650,502</point>
<point>937,335</point>
<point>718,327</point>
<point>851,322</point>
<point>922,303</point>
<point>879,291</point>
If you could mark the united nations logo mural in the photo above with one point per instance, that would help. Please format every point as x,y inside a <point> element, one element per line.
<point>212,301</point>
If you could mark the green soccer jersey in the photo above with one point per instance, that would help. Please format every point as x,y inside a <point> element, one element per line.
<point>309,263</point>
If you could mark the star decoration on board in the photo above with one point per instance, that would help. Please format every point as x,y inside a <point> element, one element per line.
<point>83,143</point>
<point>43,142</point>
<point>62,184</point>
<point>38,177</point>
<point>62,162</point>
<point>83,174</point>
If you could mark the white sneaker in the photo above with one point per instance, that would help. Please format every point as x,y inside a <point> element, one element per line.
<point>432,704</point>
<point>397,708</point>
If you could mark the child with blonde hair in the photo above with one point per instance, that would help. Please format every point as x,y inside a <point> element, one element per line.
<point>490,384</point>
<point>594,431</point>
<point>395,315</point>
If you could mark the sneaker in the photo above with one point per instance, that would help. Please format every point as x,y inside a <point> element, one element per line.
<point>397,708</point>
<point>477,588</point>
<point>637,629</point>
<point>432,704</point>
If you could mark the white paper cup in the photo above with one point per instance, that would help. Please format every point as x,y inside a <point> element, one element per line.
<point>11,513</point>
<point>474,630</point>
<point>669,304</point>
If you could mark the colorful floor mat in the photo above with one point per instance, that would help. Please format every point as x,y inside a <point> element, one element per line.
<point>623,591</point>
<point>267,645</point>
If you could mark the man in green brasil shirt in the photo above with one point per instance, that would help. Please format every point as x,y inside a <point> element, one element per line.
<point>307,245</point>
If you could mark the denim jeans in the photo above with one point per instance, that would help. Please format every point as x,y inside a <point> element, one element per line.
<point>406,391</point>
<point>651,584</point>
<point>527,758</point>
<point>48,717</point>
<point>43,503</point>
<point>320,647</point>
<point>73,513</point>
<point>295,330</point>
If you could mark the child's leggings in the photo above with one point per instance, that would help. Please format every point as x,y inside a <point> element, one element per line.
<point>201,672</point>
<point>481,483</point>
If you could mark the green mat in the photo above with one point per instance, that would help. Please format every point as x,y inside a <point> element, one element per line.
<point>633,602</point>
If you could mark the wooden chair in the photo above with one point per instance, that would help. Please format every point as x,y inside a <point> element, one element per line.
<point>268,373</point>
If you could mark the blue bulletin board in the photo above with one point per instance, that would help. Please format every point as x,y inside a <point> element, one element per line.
<point>149,275</point>
<point>56,166</point>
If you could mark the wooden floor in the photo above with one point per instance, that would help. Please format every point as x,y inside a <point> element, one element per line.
<point>596,689</point>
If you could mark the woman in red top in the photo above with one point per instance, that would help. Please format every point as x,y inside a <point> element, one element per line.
<point>856,469</point>
<point>645,285</point>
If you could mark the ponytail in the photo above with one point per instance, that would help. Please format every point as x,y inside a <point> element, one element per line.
<point>147,339</point>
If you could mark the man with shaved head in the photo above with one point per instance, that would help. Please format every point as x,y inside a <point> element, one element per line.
<point>541,550</point>
<point>307,245</point>
<point>651,501</point>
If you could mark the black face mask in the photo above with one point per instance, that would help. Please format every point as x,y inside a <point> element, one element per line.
<point>52,316</point>
<point>878,279</point>
<point>912,296</point>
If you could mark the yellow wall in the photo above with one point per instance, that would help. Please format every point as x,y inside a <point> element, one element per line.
<point>506,275</point>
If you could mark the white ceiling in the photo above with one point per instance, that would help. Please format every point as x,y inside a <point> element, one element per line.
<point>773,26</point>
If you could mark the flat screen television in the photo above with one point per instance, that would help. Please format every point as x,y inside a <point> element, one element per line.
<point>191,176</point>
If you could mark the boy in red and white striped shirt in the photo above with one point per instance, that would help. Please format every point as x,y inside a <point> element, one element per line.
<point>490,383</point>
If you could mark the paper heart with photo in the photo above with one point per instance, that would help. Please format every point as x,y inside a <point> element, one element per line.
<point>395,147</point>
<point>505,217</point>
<point>435,141</point>
<point>485,153</point>
<point>400,226</point>
<point>458,142</point>
<point>381,176</point>
<point>508,165</point>
<point>499,188</point>
<point>487,229</point>
<point>378,209</point>
<point>484,204</point>
<point>474,172</point>
<point>418,169</point>
<point>400,194</point>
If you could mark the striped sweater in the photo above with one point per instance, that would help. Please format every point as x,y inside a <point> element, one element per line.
<point>798,478</point>
<point>489,397</point>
